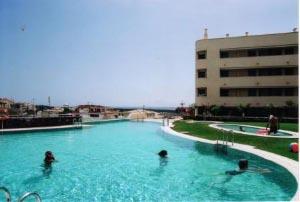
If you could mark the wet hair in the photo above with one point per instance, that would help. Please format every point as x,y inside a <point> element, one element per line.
<point>48,153</point>
<point>163,153</point>
<point>243,164</point>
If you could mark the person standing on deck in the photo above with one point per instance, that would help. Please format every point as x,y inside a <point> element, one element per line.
<point>273,124</point>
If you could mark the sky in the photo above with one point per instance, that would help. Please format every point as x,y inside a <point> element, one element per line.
<point>120,52</point>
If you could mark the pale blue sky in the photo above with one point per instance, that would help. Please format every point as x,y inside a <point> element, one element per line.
<point>120,52</point>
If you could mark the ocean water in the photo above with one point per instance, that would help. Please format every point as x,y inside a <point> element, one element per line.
<point>118,161</point>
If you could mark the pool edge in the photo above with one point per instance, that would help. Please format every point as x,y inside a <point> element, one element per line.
<point>291,165</point>
<point>215,126</point>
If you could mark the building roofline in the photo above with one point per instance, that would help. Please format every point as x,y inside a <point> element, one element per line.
<point>248,36</point>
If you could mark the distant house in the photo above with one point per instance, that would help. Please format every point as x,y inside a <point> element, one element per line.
<point>91,113</point>
<point>6,103</point>
<point>142,114</point>
<point>22,108</point>
<point>54,112</point>
<point>90,109</point>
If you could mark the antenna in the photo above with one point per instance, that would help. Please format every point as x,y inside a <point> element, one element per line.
<point>205,34</point>
<point>49,101</point>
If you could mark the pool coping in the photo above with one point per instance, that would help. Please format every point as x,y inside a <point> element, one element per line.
<point>215,126</point>
<point>104,120</point>
<point>47,128</point>
<point>291,165</point>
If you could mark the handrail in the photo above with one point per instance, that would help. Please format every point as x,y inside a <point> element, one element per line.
<point>7,194</point>
<point>26,195</point>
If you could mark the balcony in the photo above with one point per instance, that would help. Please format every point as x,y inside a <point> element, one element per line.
<point>253,101</point>
<point>279,60</point>
<point>257,81</point>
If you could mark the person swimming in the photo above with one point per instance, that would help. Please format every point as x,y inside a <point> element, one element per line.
<point>243,166</point>
<point>242,129</point>
<point>163,154</point>
<point>49,159</point>
<point>163,161</point>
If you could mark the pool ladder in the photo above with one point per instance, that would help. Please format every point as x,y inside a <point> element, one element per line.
<point>23,197</point>
<point>222,142</point>
<point>165,122</point>
<point>77,123</point>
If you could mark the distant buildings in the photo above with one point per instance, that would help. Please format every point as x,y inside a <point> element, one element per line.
<point>258,70</point>
<point>142,114</point>
<point>6,103</point>
<point>22,109</point>
<point>91,113</point>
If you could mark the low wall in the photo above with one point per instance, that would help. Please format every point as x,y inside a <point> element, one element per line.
<point>29,122</point>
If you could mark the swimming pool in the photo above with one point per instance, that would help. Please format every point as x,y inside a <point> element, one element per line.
<point>118,162</point>
<point>253,130</point>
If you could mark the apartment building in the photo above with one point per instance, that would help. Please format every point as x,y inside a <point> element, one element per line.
<point>252,69</point>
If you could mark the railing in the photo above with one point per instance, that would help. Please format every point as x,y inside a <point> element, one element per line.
<point>77,123</point>
<point>26,195</point>
<point>7,194</point>
<point>222,141</point>
<point>22,198</point>
<point>165,122</point>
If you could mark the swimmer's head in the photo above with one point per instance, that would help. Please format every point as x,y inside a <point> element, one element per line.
<point>163,153</point>
<point>48,153</point>
<point>243,164</point>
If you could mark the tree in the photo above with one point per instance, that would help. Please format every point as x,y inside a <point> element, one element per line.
<point>290,103</point>
<point>270,108</point>
<point>215,110</point>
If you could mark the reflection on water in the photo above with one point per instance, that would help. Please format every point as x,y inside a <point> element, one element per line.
<point>163,162</point>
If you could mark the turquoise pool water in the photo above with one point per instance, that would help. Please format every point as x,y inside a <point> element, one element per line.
<point>118,162</point>
<point>250,129</point>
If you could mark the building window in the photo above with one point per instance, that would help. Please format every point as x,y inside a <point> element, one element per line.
<point>290,91</point>
<point>290,50</point>
<point>201,92</point>
<point>224,92</point>
<point>224,54</point>
<point>264,92</point>
<point>252,92</point>
<point>270,51</point>
<point>276,92</point>
<point>202,73</point>
<point>291,71</point>
<point>251,72</point>
<point>201,55</point>
<point>224,73</point>
<point>251,53</point>
<point>278,71</point>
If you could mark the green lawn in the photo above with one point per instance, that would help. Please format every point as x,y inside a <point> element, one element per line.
<point>275,145</point>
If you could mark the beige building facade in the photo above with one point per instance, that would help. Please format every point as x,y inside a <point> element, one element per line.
<point>258,70</point>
